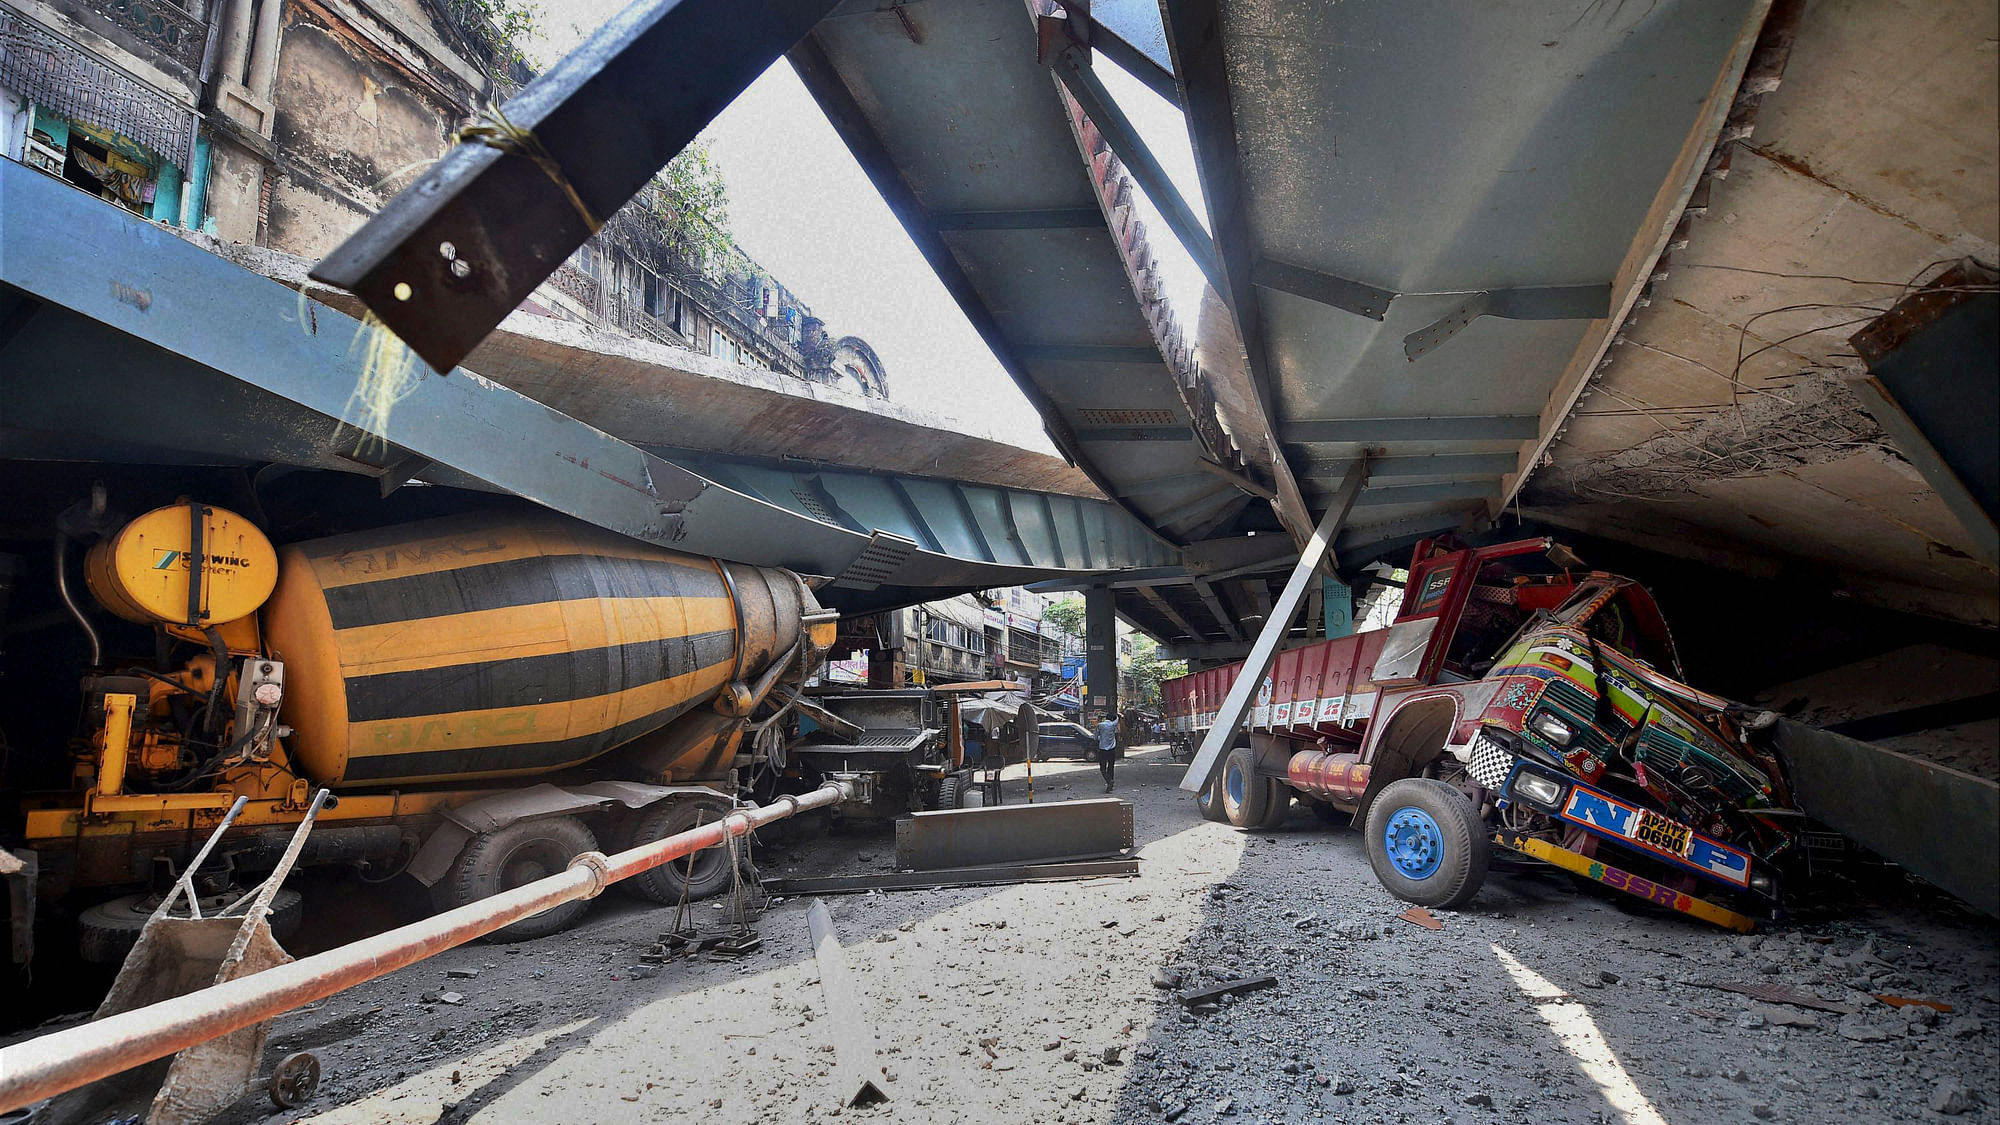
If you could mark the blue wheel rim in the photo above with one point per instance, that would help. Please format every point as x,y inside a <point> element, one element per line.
<point>1233,781</point>
<point>1414,843</point>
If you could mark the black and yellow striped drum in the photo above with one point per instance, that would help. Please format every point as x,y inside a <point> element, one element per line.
<point>471,648</point>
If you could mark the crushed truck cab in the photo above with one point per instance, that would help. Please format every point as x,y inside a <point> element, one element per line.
<point>1518,699</point>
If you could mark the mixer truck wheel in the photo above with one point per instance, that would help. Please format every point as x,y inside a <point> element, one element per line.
<point>514,856</point>
<point>108,931</point>
<point>704,873</point>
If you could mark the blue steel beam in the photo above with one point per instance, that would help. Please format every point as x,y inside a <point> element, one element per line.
<point>137,338</point>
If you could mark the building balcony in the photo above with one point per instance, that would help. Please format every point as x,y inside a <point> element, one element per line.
<point>578,285</point>
<point>74,82</point>
<point>163,33</point>
<point>161,25</point>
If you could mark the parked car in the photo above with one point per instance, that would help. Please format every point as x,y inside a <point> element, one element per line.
<point>1065,740</point>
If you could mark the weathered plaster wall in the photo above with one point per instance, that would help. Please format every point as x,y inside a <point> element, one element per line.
<point>235,179</point>
<point>347,119</point>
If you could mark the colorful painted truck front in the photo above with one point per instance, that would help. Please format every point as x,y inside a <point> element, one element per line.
<point>1517,699</point>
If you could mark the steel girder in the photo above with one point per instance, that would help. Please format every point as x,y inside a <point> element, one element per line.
<point>123,342</point>
<point>451,255</point>
<point>1428,240</point>
<point>950,113</point>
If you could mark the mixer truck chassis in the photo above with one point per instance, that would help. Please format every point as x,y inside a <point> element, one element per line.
<point>486,696</point>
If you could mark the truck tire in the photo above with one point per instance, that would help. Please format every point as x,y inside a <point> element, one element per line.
<point>1427,843</point>
<point>951,792</point>
<point>1209,801</point>
<point>509,857</point>
<point>1246,797</point>
<point>108,931</point>
<point>705,873</point>
<point>1279,808</point>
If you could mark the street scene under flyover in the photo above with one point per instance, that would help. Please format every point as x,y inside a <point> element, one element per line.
<point>1000,560</point>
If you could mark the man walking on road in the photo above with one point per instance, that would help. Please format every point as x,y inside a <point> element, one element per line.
<point>1107,746</point>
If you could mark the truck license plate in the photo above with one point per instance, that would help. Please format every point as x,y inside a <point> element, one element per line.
<point>1662,833</point>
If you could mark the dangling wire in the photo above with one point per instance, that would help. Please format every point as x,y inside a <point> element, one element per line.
<point>388,375</point>
<point>495,131</point>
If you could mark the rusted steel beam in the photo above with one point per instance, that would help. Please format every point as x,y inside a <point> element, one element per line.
<point>456,251</point>
<point>46,1066</point>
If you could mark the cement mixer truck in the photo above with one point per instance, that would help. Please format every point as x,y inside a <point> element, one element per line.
<point>486,696</point>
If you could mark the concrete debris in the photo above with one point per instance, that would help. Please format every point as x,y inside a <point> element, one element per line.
<point>1860,1030</point>
<point>1418,916</point>
<point>1353,1030</point>
<point>1357,929</point>
<point>1780,1017</point>
<point>1952,1098</point>
<point>1231,989</point>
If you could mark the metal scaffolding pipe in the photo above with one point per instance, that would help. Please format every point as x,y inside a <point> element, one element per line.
<point>44,1067</point>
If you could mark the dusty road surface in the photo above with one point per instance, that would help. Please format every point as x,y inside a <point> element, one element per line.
<point>1056,1003</point>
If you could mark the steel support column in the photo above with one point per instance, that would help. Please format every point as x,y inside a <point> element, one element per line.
<point>1100,638</point>
<point>1209,758</point>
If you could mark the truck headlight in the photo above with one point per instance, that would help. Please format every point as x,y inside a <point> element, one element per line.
<point>1553,729</point>
<point>1536,789</point>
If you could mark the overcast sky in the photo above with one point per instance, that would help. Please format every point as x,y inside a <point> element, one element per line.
<point>802,207</point>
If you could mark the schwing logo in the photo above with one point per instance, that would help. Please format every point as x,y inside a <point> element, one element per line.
<point>168,559</point>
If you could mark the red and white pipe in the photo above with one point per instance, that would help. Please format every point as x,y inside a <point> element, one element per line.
<point>64,1060</point>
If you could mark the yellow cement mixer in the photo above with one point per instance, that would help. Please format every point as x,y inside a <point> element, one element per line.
<point>486,696</point>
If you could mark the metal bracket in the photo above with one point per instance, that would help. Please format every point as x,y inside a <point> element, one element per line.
<point>878,561</point>
<point>454,253</point>
<point>1559,302</point>
<point>1338,292</point>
